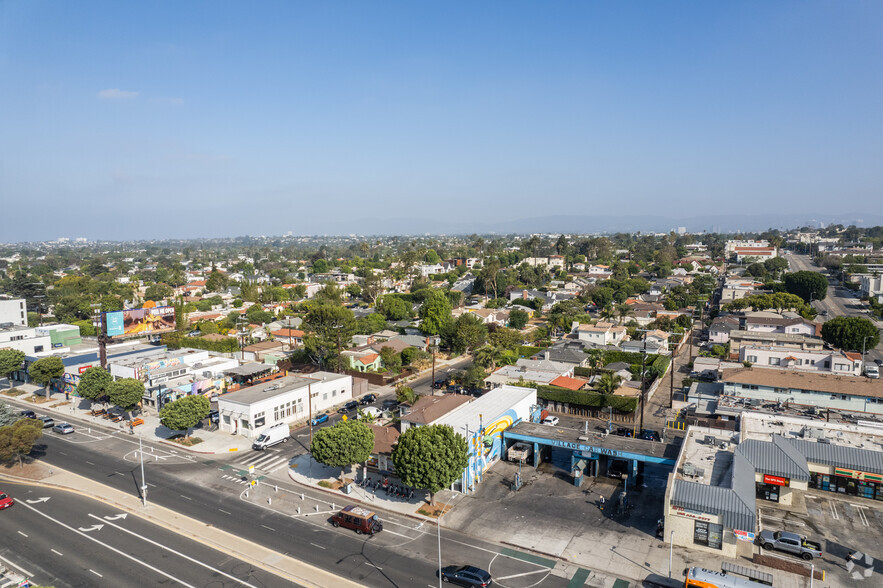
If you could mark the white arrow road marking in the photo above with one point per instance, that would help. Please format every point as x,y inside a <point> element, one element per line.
<point>110,547</point>
<point>92,528</point>
<point>178,553</point>
<point>116,517</point>
<point>38,500</point>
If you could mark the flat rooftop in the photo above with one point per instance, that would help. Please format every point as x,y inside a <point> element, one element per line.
<point>708,457</point>
<point>276,387</point>
<point>763,426</point>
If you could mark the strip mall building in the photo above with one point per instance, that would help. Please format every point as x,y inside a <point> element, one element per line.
<point>712,495</point>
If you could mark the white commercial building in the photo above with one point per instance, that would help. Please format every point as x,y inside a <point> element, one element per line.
<point>14,312</point>
<point>284,400</point>
<point>25,339</point>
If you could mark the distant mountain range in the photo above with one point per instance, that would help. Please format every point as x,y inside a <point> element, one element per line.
<point>588,224</point>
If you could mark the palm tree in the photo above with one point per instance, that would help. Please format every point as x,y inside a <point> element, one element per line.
<point>608,384</point>
<point>624,310</point>
<point>487,356</point>
<point>596,359</point>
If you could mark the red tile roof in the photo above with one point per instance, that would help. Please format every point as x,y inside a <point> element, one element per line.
<point>569,383</point>
<point>369,359</point>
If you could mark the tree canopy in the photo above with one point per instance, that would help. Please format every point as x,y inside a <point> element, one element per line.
<point>468,333</point>
<point>344,444</point>
<point>44,370</point>
<point>518,318</point>
<point>126,393</point>
<point>851,333</point>
<point>430,457</point>
<point>8,416</point>
<point>806,284</point>
<point>11,360</point>
<point>18,439</point>
<point>435,313</point>
<point>185,413</point>
<point>94,383</point>
<point>327,324</point>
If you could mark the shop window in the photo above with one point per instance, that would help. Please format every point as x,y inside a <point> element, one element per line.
<point>708,534</point>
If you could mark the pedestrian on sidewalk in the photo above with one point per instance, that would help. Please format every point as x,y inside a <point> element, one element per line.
<point>601,503</point>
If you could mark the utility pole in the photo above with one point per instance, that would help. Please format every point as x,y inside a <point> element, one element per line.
<point>671,395</point>
<point>433,368</point>
<point>338,347</point>
<point>643,388</point>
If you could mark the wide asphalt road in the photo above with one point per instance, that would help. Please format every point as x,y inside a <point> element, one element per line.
<point>405,555</point>
<point>60,539</point>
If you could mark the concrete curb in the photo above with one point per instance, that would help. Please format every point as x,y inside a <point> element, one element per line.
<point>283,566</point>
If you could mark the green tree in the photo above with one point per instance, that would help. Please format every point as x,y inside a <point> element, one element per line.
<point>405,395</point>
<point>17,440</point>
<point>216,281</point>
<point>431,457</point>
<point>518,319</point>
<point>608,383</point>
<point>126,393</point>
<point>328,325</point>
<point>435,313</point>
<point>469,332</point>
<point>851,333</point>
<point>391,360</point>
<point>806,284</point>
<point>487,356</point>
<point>320,266</point>
<point>43,371</point>
<point>8,416</point>
<point>394,308</point>
<point>431,256</point>
<point>158,291</point>
<point>185,413</point>
<point>94,383</point>
<point>346,443</point>
<point>505,338</point>
<point>11,360</point>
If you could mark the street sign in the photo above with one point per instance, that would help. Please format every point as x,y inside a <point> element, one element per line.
<point>251,469</point>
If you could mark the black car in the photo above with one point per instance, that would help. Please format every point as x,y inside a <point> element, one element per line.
<point>649,435</point>
<point>623,432</point>
<point>466,576</point>
<point>617,469</point>
<point>351,405</point>
<point>390,403</point>
<point>368,399</point>
<point>28,414</point>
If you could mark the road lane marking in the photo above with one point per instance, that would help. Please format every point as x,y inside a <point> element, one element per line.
<point>151,485</point>
<point>542,571</point>
<point>178,553</point>
<point>225,512</point>
<point>266,527</point>
<point>16,566</point>
<point>96,573</point>
<point>317,545</point>
<point>110,547</point>
<point>22,534</point>
<point>57,552</point>
<point>89,462</point>
<point>187,497</point>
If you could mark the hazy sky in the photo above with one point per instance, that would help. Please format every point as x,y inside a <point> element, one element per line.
<point>157,119</point>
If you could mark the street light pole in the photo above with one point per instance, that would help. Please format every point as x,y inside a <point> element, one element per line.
<point>671,549</point>
<point>438,527</point>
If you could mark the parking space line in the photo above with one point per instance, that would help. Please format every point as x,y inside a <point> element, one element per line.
<point>861,513</point>
<point>834,510</point>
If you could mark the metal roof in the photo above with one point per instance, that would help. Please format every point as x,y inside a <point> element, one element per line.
<point>486,408</point>
<point>866,460</point>
<point>776,457</point>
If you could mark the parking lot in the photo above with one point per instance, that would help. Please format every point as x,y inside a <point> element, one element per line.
<point>841,524</point>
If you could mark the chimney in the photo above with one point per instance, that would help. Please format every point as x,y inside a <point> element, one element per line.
<point>524,294</point>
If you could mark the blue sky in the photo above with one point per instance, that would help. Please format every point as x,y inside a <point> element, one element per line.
<point>192,119</point>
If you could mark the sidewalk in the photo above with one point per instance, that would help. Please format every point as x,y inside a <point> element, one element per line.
<point>267,559</point>
<point>77,409</point>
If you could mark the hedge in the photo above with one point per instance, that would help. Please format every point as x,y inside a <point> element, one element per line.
<point>528,351</point>
<point>588,399</point>
<point>173,341</point>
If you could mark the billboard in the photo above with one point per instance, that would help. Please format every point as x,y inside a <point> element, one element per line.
<point>143,321</point>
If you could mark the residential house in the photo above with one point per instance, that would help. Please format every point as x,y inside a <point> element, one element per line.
<point>569,352</point>
<point>385,438</point>
<point>291,338</point>
<point>491,316</point>
<point>429,409</point>
<point>601,333</point>
<point>778,340</point>
<point>363,360</point>
<point>824,361</point>
<point>265,352</point>
<point>569,383</point>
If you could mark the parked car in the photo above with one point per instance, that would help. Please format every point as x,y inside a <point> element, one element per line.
<point>63,429</point>
<point>552,421</point>
<point>368,399</point>
<point>359,519</point>
<point>48,421</point>
<point>272,436</point>
<point>650,435</point>
<point>623,432</point>
<point>390,403</point>
<point>318,420</point>
<point>439,384</point>
<point>28,414</point>
<point>466,576</point>
<point>351,405</point>
<point>617,469</point>
<point>5,500</point>
<point>369,412</point>
<point>790,543</point>
<point>214,416</point>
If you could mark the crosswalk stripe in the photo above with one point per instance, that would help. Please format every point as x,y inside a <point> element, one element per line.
<point>260,459</point>
<point>274,462</point>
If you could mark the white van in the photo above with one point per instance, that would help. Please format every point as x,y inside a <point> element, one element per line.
<point>872,371</point>
<point>271,436</point>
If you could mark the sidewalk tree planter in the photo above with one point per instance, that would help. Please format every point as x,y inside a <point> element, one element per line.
<point>18,439</point>
<point>185,413</point>
<point>94,383</point>
<point>431,457</point>
<point>342,445</point>
<point>43,371</point>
